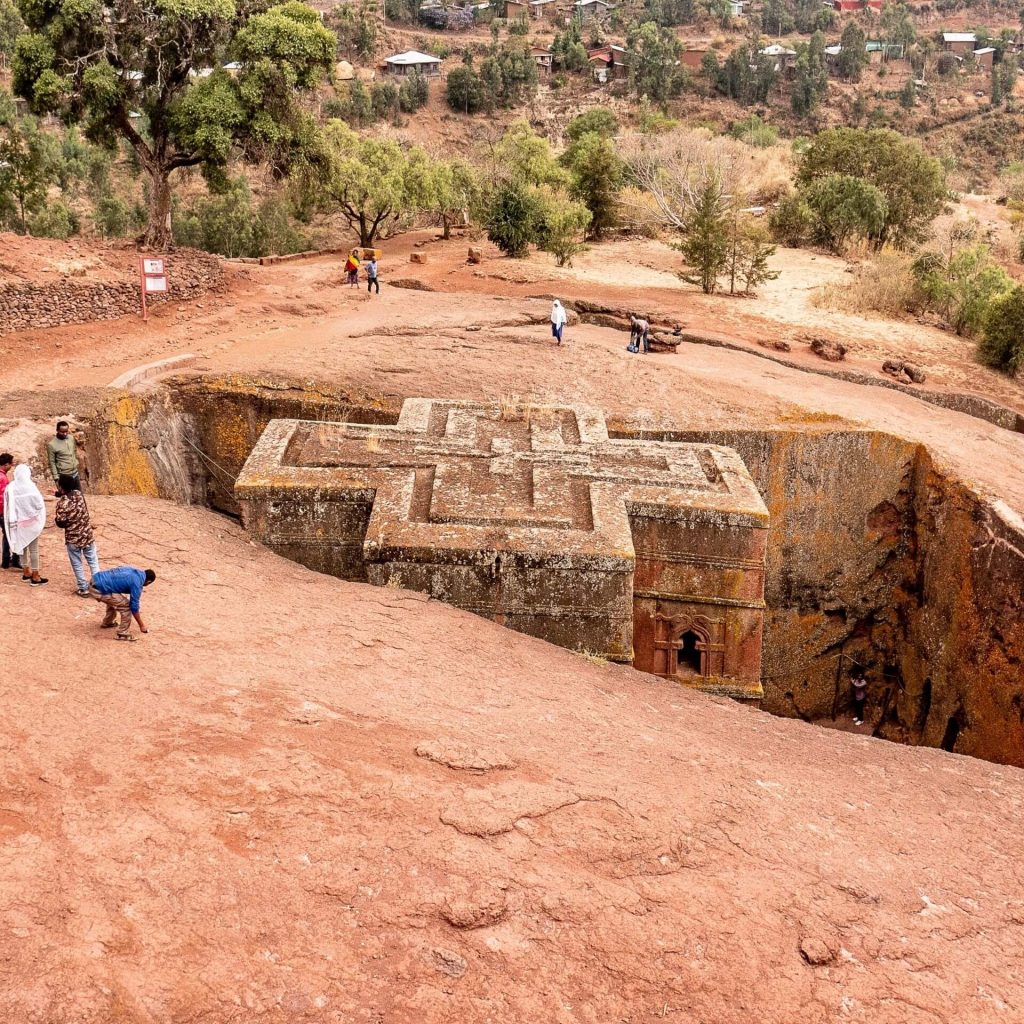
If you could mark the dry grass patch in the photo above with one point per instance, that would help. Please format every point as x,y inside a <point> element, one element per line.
<point>884,284</point>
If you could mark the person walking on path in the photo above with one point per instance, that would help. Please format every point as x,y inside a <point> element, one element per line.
<point>62,452</point>
<point>24,519</point>
<point>558,319</point>
<point>10,560</point>
<point>72,516</point>
<point>352,269</point>
<point>371,275</point>
<point>120,589</point>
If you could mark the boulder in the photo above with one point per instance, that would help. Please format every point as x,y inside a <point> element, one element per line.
<point>831,351</point>
<point>476,254</point>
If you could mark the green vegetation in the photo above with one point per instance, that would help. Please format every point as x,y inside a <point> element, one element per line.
<point>1002,344</point>
<point>598,175</point>
<point>844,207</point>
<point>107,75</point>
<point>755,132</point>
<point>228,223</point>
<point>370,182</point>
<point>912,184</point>
<point>705,234</point>
<point>964,286</point>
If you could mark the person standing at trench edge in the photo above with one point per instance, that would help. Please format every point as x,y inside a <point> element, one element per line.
<point>72,516</point>
<point>859,685</point>
<point>62,452</point>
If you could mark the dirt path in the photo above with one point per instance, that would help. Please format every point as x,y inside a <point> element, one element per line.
<point>257,813</point>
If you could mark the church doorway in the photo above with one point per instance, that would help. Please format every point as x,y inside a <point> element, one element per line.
<point>690,654</point>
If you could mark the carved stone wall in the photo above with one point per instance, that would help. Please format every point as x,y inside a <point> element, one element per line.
<point>533,519</point>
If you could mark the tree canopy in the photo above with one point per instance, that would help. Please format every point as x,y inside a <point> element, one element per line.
<point>151,72</point>
<point>371,181</point>
<point>912,183</point>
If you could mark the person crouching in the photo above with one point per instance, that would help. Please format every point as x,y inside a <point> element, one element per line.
<point>120,589</point>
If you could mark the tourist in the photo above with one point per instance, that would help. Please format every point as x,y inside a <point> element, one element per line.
<point>120,589</point>
<point>860,692</point>
<point>352,269</point>
<point>639,332</point>
<point>62,452</point>
<point>24,519</point>
<point>10,561</point>
<point>371,275</point>
<point>558,319</point>
<point>72,516</point>
<point>643,330</point>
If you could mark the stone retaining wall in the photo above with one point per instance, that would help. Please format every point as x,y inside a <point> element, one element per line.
<point>26,304</point>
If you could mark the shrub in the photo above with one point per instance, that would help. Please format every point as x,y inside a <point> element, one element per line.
<point>791,220</point>
<point>55,220</point>
<point>755,132</point>
<point>512,217</point>
<point>1002,344</point>
<point>112,217</point>
<point>844,207</point>
<point>964,287</point>
<point>413,93</point>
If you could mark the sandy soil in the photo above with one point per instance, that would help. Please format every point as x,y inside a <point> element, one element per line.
<point>299,799</point>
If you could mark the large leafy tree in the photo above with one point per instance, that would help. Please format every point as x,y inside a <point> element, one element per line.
<point>912,182</point>
<point>151,72</point>
<point>371,181</point>
<point>454,191</point>
<point>654,68</point>
<point>598,175</point>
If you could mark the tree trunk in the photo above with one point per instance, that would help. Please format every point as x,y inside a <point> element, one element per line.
<point>446,227</point>
<point>366,233</point>
<point>157,235</point>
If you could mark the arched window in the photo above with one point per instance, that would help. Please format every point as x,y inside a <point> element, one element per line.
<point>690,654</point>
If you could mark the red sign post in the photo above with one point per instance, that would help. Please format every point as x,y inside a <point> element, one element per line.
<point>152,280</point>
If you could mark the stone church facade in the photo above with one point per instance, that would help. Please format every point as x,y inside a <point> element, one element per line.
<point>645,552</point>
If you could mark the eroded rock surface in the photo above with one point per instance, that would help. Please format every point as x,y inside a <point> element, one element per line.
<point>229,822</point>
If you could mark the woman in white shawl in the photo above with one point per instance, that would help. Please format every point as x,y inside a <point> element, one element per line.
<point>24,517</point>
<point>557,320</point>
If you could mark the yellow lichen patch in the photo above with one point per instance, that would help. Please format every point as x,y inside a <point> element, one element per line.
<point>127,467</point>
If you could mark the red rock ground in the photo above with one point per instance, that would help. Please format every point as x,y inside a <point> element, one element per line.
<point>299,799</point>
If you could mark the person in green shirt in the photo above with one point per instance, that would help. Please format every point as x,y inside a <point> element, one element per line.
<point>62,452</point>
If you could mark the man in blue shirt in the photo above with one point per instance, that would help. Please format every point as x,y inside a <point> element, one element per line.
<point>120,589</point>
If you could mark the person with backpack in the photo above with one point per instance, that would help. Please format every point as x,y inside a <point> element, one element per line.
<point>352,269</point>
